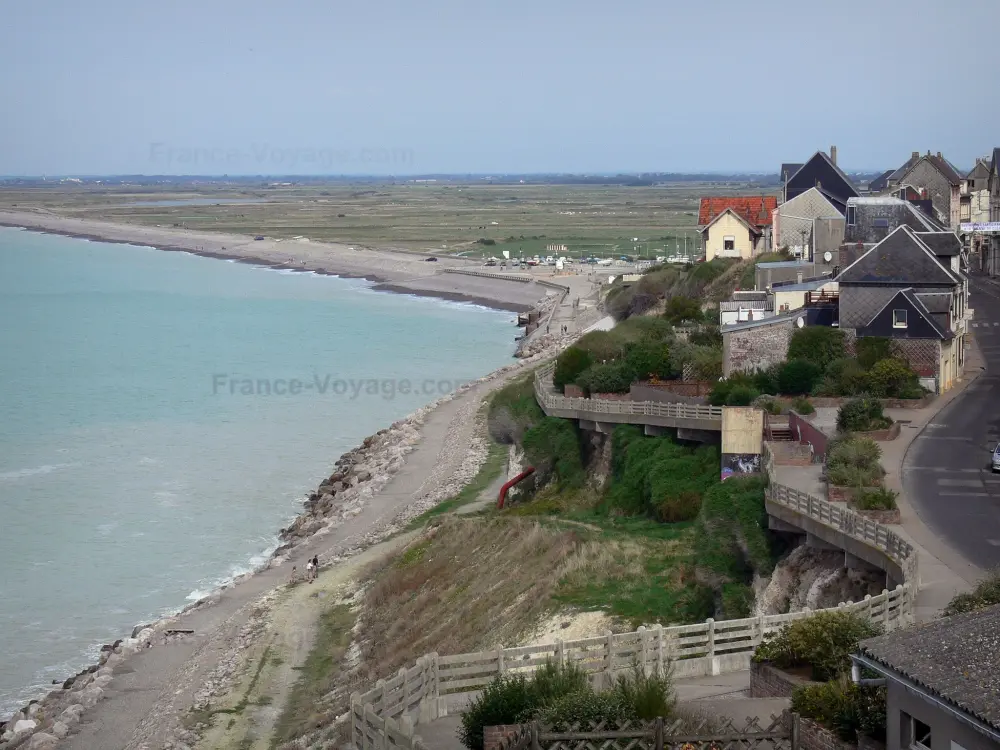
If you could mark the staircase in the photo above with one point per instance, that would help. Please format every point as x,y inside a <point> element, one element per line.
<point>777,430</point>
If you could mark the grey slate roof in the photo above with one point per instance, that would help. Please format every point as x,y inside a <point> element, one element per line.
<point>935,302</point>
<point>787,170</point>
<point>881,182</point>
<point>942,243</point>
<point>900,259</point>
<point>954,658</point>
<point>897,175</point>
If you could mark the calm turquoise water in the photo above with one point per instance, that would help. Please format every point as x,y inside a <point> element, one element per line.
<point>142,458</point>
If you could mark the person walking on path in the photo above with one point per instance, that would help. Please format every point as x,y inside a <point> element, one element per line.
<point>310,571</point>
<point>315,564</point>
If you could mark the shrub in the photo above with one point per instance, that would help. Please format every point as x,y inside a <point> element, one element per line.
<point>844,377</point>
<point>798,376</point>
<point>985,594</point>
<point>682,309</point>
<point>721,389</point>
<point>583,708</point>
<point>823,641</point>
<point>606,377</point>
<point>862,415</point>
<point>871,349</point>
<point>741,395</point>
<point>817,344</point>
<point>602,345</point>
<point>854,462</point>
<point>844,708</point>
<point>892,377</point>
<point>513,410</point>
<point>683,506</point>
<point>646,360</point>
<point>552,681</point>
<point>553,447</point>
<point>879,498</point>
<point>768,404</point>
<point>570,365</point>
<point>707,335</point>
<point>645,696</point>
<point>737,601</point>
<point>505,700</point>
<point>706,363</point>
<point>802,406</point>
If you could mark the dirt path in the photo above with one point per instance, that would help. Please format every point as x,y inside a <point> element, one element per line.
<point>259,697</point>
<point>153,689</point>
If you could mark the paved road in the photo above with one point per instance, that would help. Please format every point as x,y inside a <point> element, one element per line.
<point>947,474</point>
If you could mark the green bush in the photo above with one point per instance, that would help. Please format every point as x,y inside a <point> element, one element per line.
<point>707,335</point>
<point>879,498</point>
<point>871,349</point>
<point>645,696</point>
<point>683,506</point>
<point>602,345</point>
<point>513,410</point>
<point>721,389</point>
<point>553,448</point>
<point>606,377</point>
<point>854,462</point>
<point>768,404</point>
<point>892,378</point>
<point>646,360</point>
<point>823,642</point>
<point>844,708</point>
<point>766,381</point>
<point>843,377</point>
<point>515,698</point>
<point>817,344</point>
<point>862,414</point>
<point>741,395</point>
<point>985,594</point>
<point>586,708</point>
<point>802,406</point>
<point>737,601</point>
<point>798,376</point>
<point>682,310</point>
<point>570,365</point>
<point>505,700</point>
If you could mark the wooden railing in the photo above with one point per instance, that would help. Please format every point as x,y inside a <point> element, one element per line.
<point>550,400</point>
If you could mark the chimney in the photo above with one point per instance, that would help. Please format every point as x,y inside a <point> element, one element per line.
<point>915,155</point>
<point>939,155</point>
<point>928,152</point>
<point>798,277</point>
<point>833,154</point>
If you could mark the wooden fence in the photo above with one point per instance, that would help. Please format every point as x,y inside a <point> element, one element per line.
<point>660,734</point>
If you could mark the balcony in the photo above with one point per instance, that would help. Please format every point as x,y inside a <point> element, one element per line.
<point>814,299</point>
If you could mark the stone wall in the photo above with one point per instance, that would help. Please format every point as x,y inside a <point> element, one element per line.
<point>572,391</point>
<point>672,391</point>
<point>787,453</point>
<point>812,736</point>
<point>612,396</point>
<point>756,347</point>
<point>882,436</point>
<point>887,517</point>
<point>767,681</point>
<point>836,494</point>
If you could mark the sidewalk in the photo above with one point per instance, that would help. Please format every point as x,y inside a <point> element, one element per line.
<point>942,571</point>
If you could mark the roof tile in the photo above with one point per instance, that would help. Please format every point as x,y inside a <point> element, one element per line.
<point>756,209</point>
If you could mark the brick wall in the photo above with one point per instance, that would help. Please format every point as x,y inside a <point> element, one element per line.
<point>495,736</point>
<point>814,737</point>
<point>836,494</point>
<point>879,516</point>
<point>665,391</point>
<point>573,391</point>
<point>882,436</point>
<point>767,681</point>
<point>612,396</point>
<point>757,347</point>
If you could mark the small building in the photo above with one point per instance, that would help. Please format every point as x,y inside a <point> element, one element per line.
<point>990,241</point>
<point>736,227</point>
<point>820,172</point>
<point>771,273</point>
<point>880,183</point>
<point>795,295</point>
<point>942,682</point>
<point>873,218</point>
<point>744,306</point>
<point>935,177</point>
<point>975,194</point>
<point>794,222</point>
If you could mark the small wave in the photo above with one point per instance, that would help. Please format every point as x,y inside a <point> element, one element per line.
<point>147,461</point>
<point>254,564</point>
<point>35,471</point>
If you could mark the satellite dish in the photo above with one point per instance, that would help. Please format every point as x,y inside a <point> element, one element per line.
<point>827,256</point>
<point>800,322</point>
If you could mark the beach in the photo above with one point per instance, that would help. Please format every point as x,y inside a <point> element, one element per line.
<point>138,693</point>
<point>394,270</point>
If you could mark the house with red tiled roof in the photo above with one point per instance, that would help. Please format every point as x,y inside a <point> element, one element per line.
<point>736,226</point>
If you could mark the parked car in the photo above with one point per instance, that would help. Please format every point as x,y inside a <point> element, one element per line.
<point>995,464</point>
<point>259,237</point>
<point>431,259</point>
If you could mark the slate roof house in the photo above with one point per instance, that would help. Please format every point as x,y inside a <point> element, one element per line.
<point>881,182</point>
<point>820,172</point>
<point>794,222</point>
<point>908,288</point>
<point>872,218</point>
<point>990,256</point>
<point>896,176</point>
<point>936,176</point>
<point>942,682</point>
<point>736,227</point>
<point>975,193</point>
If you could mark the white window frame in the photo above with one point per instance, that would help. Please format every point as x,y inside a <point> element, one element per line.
<point>895,319</point>
<point>852,216</point>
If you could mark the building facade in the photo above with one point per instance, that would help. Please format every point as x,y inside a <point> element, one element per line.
<point>794,222</point>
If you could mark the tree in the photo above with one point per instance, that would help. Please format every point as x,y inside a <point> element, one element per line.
<point>797,377</point>
<point>871,349</point>
<point>682,309</point>
<point>893,378</point>
<point>818,344</point>
<point>570,364</point>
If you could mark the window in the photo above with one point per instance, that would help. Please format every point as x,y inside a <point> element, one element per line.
<point>921,735</point>
<point>899,318</point>
<point>913,733</point>
<point>728,243</point>
<point>882,223</point>
<point>852,216</point>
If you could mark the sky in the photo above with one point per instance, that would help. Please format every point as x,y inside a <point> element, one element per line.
<point>490,86</point>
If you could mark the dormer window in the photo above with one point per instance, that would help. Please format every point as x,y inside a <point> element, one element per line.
<point>852,216</point>
<point>899,318</point>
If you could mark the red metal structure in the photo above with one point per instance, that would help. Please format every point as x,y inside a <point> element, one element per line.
<point>503,490</point>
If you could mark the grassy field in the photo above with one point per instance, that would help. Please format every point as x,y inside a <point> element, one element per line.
<point>588,219</point>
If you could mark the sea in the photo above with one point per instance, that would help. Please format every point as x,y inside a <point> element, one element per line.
<point>162,416</point>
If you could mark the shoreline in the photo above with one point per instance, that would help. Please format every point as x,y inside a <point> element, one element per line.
<point>386,270</point>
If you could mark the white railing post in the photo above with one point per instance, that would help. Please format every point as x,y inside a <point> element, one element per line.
<point>887,614</point>
<point>500,663</point>
<point>660,663</point>
<point>711,637</point>
<point>644,649</point>
<point>609,660</point>
<point>560,653</point>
